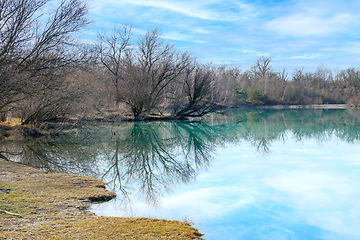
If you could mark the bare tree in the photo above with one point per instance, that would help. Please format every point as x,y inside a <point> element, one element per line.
<point>112,50</point>
<point>196,100</point>
<point>226,85</point>
<point>262,66</point>
<point>34,46</point>
<point>262,70</point>
<point>150,70</point>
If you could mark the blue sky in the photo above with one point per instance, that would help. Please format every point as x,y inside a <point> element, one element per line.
<point>293,33</point>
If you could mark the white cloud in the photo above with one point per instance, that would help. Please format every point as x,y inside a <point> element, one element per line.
<point>181,37</point>
<point>208,10</point>
<point>292,33</point>
<point>179,7</point>
<point>304,57</point>
<point>202,31</point>
<point>353,48</point>
<point>310,23</point>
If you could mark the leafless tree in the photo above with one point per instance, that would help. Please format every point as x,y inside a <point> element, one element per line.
<point>262,70</point>
<point>112,50</point>
<point>150,70</point>
<point>34,46</point>
<point>262,66</point>
<point>196,100</point>
<point>226,80</point>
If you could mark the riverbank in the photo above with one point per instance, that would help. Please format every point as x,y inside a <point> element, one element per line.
<point>38,205</point>
<point>13,130</point>
<point>313,106</point>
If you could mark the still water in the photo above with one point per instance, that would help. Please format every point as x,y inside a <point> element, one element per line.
<point>261,174</point>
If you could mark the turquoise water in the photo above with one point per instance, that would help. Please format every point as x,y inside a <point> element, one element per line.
<point>261,174</point>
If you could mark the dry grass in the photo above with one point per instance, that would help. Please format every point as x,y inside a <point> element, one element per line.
<point>11,122</point>
<point>51,206</point>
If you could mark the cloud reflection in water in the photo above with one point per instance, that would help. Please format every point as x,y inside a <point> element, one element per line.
<point>264,174</point>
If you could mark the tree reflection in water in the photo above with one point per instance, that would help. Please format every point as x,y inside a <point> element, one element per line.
<point>154,156</point>
<point>73,154</point>
<point>150,158</point>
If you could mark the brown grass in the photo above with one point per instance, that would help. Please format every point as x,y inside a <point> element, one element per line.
<point>51,206</point>
<point>11,122</point>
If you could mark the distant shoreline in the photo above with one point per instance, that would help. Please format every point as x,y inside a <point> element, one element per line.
<point>312,106</point>
<point>10,131</point>
<point>296,106</point>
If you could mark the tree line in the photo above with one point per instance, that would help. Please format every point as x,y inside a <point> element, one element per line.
<point>47,74</point>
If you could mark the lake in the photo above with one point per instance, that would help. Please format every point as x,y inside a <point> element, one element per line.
<point>243,174</point>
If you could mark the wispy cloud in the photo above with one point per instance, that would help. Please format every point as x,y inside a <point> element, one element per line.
<point>310,23</point>
<point>291,32</point>
<point>353,47</point>
<point>176,36</point>
<point>214,10</point>
<point>190,10</point>
<point>304,57</point>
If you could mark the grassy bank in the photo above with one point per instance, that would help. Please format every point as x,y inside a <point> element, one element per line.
<point>39,205</point>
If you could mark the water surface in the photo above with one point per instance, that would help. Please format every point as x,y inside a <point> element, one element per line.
<point>261,174</point>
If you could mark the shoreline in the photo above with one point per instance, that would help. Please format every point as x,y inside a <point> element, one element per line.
<point>50,204</point>
<point>39,205</point>
<point>298,106</point>
<point>311,106</point>
<point>11,132</point>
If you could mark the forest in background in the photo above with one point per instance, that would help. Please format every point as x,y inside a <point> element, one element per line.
<point>48,74</point>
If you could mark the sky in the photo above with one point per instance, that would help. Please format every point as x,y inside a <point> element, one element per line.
<point>293,33</point>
